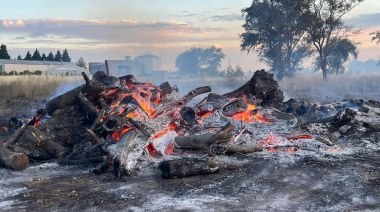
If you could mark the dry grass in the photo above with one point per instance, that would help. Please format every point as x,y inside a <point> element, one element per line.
<point>32,87</point>
<point>21,96</point>
<point>337,87</point>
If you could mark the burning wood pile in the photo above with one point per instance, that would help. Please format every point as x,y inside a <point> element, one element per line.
<point>125,124</point>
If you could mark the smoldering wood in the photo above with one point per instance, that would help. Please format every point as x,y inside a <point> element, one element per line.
<point>243,148</point>
<point>204,141</point>
<point>98,119</point>
<point>98,141</point>
<point>92,90</point>
<point>197,91</point>
<point>139,127</point>
<point>261,86</point>
<point>12,160</point>
<point>35,154</point>
<point>87,106</point>
<point>39,139</point>
<point>186,167</point>
<point>206,108</point>
<point>15,136</point>
<point>234,106</point>
<point>342,118</point>
<point>187,115</point>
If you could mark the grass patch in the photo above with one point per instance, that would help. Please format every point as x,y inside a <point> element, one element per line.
<point>33,87</point>
<point>337,87</point>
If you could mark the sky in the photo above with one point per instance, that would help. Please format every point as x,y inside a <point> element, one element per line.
<point>98,30</point>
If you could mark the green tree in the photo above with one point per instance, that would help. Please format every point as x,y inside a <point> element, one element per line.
<point>326,30</point>
<point>58,56</point>
<point>28,56</point>
<point>4,52</point>
<point>36,55</point>
<point>196,61</point>
<point>275,30</point>
<point>43,57</point>
<point>65,56</point>
<point>19,57</point>
<point>50,57</point>
<point>81,63</point>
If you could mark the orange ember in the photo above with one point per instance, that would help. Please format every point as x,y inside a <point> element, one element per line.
<point>247,116</point>
<point>117,134</point>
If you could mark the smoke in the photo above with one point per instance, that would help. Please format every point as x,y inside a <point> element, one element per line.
<point>65,87</point>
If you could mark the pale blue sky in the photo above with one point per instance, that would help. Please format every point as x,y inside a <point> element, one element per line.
<point>99,30</point>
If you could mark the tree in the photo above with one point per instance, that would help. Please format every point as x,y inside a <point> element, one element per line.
<point>19,57</point>
<point>28,56</point>
<point>81,63</point>
<point>340,54</point>
<point>326,30</point>
<point>196,61</point>
<point>50,57</point>
<point>376,36</point>
<point>36,55</point>
<point>4,52</point>
<point>275,30</point>
<point>58,56</point>
<point>65,56</point>
<point>43,57</point>
<point>234,73</point>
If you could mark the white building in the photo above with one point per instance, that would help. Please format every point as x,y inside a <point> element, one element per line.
<point>44,66</point>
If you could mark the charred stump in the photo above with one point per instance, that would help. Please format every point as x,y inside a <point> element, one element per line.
<point>262,86</point>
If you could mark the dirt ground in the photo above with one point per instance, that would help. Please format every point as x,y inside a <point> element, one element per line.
<point>256,182</point>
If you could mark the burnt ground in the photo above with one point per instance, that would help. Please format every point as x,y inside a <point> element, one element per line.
<point>256,182</point>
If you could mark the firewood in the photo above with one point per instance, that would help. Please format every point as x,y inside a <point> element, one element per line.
<point>198,91</point>
<point>243,148</point>
<point>35,154</point>
<point>87,106</point>
<point>35,136</point>
<point>204,141</point>
<point>98,141</point>
<point>98,119</point>
<point>262,86</point>
<point>15,136</point>
<point>188,167</point>
<point>12,160</point>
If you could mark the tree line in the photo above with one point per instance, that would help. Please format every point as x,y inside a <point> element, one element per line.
<point>59,57</point>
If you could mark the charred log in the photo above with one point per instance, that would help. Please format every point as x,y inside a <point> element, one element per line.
<point>198,91</point>
<point>37,138</point>
<point>186,167</point>
<point>12,160</point>
<point>234,106</point>
<point>87,106</point>
<point>262,86</point>
<point>204,141</point>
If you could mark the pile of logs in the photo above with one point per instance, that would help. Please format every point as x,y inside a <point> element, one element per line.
<point>113,121</point>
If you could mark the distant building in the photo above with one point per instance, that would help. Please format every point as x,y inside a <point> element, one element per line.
<point>30,65</point>
<point>141,66</point>
<point>68,70</point>
<point>149,63</point>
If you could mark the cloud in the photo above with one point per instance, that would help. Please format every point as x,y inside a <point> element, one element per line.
<point>365,20</point>
<point>126,31</point>
<point>20,38</point>
<point>224,18</point>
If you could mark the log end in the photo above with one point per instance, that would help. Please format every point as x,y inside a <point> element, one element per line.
<point>19,161</point>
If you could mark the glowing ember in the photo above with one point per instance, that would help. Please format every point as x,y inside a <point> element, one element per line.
<point>118,134</point>
<point>249,115</point>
